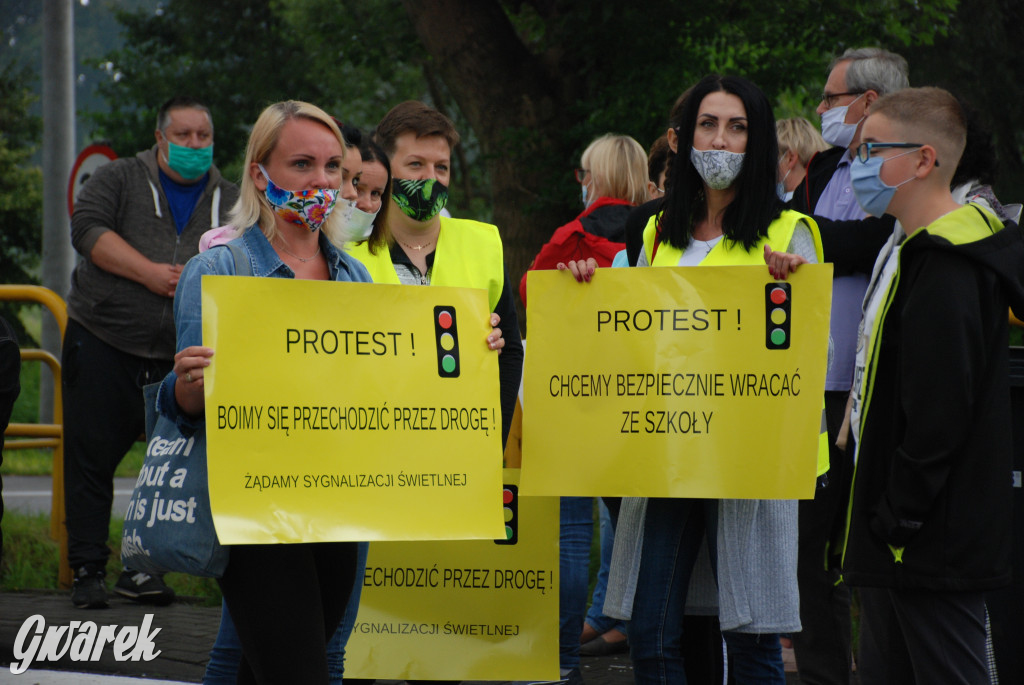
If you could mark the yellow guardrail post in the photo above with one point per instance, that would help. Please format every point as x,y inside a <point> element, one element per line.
<point>46,435</point>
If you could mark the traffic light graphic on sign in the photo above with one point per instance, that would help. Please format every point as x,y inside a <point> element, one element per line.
<point>446,335</point>
<point>510,500</point>
<point>778,298</point>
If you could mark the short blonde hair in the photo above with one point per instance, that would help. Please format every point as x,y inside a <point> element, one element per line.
<point>618,165</point>
<point>252,207</point>
<point>929,116</point>
<point>800,136</point>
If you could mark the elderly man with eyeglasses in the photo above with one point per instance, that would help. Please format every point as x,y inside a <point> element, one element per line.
<point>851,241</point>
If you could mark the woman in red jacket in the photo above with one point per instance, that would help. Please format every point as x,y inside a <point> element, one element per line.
<point>613,179</point>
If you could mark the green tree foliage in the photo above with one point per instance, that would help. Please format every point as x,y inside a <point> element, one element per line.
<point>21,184</point>
<point>979,62</point>
<point>370,61</point>
<point>541,81</point>
<point>622,66</point>
<point>529,82</point>
<point>235,55</point>
<point>356,60</point>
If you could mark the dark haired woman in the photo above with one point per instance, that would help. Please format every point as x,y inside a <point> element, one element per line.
<point>721,209</point>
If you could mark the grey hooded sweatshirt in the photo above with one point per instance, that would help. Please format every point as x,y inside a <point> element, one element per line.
<point>125,196</point>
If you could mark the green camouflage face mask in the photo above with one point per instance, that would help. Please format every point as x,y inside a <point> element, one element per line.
<point>420,200</point>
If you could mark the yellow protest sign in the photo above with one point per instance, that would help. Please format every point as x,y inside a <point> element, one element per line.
<point>675,382</point>
<point>463,610</point>
<point>348,411</point>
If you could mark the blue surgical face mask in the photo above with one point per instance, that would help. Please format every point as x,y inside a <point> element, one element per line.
<point>189,162</point>
<point>584,194</point>
<point>780,187</point>
<point>874,194</point>
<point>834,128</point>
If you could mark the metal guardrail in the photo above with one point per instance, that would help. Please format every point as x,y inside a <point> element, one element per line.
<point>45,435</point>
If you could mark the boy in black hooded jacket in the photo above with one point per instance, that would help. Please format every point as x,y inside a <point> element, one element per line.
<point>931,501</point>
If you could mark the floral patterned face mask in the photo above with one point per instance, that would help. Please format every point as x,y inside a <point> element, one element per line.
<point>718,168</point>
<point>309,208</point>
<point>420,200</point>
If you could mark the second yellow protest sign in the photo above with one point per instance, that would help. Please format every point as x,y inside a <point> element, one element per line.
<point>675,382</point>
<point>464,610</point>
<point>346,411</point>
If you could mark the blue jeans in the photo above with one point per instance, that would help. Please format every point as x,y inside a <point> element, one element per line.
<point>595,616</point>
<point>226,654</point>
<point>577,531</point>
<point>673,532</point>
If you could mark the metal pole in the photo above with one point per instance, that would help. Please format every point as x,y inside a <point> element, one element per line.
<point>58,158</point>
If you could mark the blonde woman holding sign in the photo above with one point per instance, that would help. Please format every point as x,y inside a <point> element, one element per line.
<point>286,600</point>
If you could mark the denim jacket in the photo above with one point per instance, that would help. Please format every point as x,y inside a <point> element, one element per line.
<point>219,261</point>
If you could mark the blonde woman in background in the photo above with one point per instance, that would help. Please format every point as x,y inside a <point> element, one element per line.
<point>613,179</point>
<point>799,140</point>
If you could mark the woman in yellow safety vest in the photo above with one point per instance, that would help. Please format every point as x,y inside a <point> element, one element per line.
<point>422,246</point>
<point>721,209</point>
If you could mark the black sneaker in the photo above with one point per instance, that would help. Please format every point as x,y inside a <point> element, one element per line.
<point>88,590</point>
<point>144,588</point>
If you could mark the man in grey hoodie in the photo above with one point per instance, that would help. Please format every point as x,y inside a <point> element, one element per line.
<point>135,223</point>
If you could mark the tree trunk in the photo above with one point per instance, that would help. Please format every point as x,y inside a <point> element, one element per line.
<point>470,41</point>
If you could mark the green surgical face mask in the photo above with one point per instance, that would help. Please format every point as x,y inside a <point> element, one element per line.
<point>190,163</point>
<point>420,200</point>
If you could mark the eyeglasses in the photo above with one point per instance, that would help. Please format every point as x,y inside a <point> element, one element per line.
<point>830,98</point>
<point>581,174</point>
<point>864,150</point>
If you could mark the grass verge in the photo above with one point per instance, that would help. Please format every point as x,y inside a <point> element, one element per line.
<point>32,462</point>
<point>31,560</point>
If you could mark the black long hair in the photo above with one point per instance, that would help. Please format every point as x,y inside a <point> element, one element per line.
<point>756,203</point>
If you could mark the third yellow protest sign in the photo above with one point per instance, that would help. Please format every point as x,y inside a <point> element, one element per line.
<point>675,382</point>
<point>464,610</point>
<point>346,411</point>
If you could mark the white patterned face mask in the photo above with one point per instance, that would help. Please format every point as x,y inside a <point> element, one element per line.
<point>718,168</point>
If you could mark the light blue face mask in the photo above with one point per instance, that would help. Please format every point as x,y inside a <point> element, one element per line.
<point>873,194</point>
<point>780,187</point>
<point>835,130</point>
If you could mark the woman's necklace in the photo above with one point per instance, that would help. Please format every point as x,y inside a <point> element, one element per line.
<point>416,247</point>
<point>301,259</point>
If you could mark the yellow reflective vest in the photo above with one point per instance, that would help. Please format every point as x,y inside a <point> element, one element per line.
<point>731,253</point>
<point>469,254</point>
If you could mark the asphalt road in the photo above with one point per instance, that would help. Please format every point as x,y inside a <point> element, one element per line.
<point>31,494</point>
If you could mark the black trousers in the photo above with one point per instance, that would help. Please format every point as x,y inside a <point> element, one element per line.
<point>103,415</point>
<point>822,648</point>
<point>923,637</point>
<point>286,602</point>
